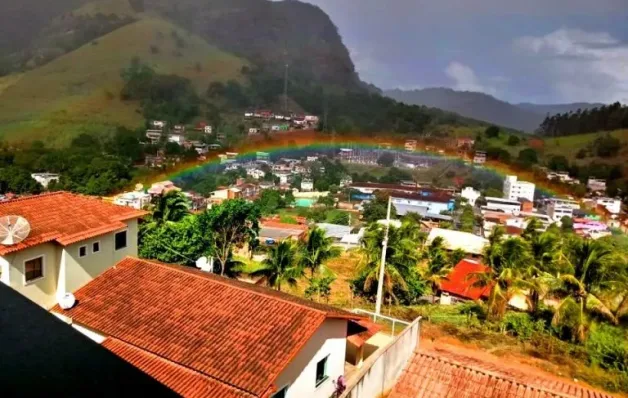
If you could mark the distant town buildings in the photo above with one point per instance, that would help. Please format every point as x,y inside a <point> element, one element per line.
<point>515,189</point>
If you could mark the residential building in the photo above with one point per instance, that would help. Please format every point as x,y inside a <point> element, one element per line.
<point>454,240</point>
<point>479,157</point>
<point>255,173</point>
<point>158,124</point>
<point>505,205</point>
<point>262,157</point>
<point>470,194</point>
<point>410,145</point>
<point>311,159</point>
<point>564,202</point>
<point>612,205</point>
<point>514,189</point>
<point>162,187</point>
<point>596,185</point>
<point>137,200</point>
<point>179,128</point>
<point>176,138</point>
<point>557,211</point>
<point>272,232</point>
<point>346,181</point>
<point>284,178</point>
<point>465,142</point>
<point>461,281</point>
<point>45,178</point>
<point>435,203</point>
<point>336,232</point>
<point>154,136</point>
<point>307,185</point>
<point>229,339</point>
<point>60,361</point>
<point>208,130</point>
<point>253,131</point>
<point>72,240</point>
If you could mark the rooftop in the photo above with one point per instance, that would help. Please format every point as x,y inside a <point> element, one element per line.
<point>236,334</point>
<point>427,196</point>
<point>454,240</point>
<point>460,281</point>
<point>65,218</point>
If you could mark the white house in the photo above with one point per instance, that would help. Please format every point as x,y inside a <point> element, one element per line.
<point>454,240</point>
<point>422,203</point>
<point>72,240</point>
<point>596,185</point>
<point>470,194</point>
<point>176,138</point>
<point>307,185</point>
<point>514,189</point>
<point>45,178</point>
<point>255,173</point>
<point>253,131</point>
<point>557,211</point>
<point>135,199</point>
<point>410,145</point>
<point>208,129</point>
<point>284,177</point>
<point>479,157</point>
<point>505,205</point>
<point>232,337</point>
<point>158,124</point>
<point>612,205</point>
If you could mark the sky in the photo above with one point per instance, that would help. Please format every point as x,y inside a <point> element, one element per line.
<point>541,51</point>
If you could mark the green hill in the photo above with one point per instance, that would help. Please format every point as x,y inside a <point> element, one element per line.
<point>79,91</point>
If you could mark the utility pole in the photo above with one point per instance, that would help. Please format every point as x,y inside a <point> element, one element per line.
<point>380,282</point>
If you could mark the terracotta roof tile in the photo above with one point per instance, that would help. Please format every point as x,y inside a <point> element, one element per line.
<point>65,218</point>
<point>443,373</point>
<point>460,281</point>
<point>239,334</point>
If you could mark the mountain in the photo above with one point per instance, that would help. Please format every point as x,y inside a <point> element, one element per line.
<point>558,108</point>
<point>480,106</point>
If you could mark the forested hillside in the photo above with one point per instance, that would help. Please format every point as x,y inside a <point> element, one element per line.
<point>605,118</point>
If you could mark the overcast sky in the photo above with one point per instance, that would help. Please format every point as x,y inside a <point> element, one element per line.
<point>544,51</point>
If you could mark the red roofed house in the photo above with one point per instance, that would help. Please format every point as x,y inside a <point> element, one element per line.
<point>203,335</point>
<point>72,240</point>
<point>460,281</point>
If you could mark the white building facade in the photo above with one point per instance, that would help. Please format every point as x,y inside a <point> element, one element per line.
<point>514,189</point>
<point>471,195</point>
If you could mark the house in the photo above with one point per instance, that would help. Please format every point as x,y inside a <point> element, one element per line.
<point>45,178</point>
<point>448,371</point>
<point>253,131</point>
<point>135,199</point>
<point>514,189</point>
<point>470,194</point>
<point>465,142</point>
<point>556,211</point>
<point>479,157</point>
<point>307,185</point>
<point>612,205</point>
<point>460,282</point>
<point>154,136</point>
<point>433,202</point>
<point>72,240</point>
<point>178,139</point>
<point>284,178</point>
<point>154,160</point>
<point>162,187</point>
<point>75,366</point>
<point>256,173</point>
<point>262,157</point>
<point>311,159</point>
<point>454,240</point>
<point>272,231</point>
<point>505,205</point>
<point>596,185</point>
<point>158,124</point>
<point>336,232</point>
<point>410,145</point>
<point>179,128</point>
<point>248,114</point>
<point>204,335</point>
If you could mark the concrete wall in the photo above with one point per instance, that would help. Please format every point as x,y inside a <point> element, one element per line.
<point>382,369</point>
<point>300,375</point>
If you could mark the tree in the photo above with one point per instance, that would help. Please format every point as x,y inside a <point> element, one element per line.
<point>171,206</point>
<point>437,266</point>
<point>558,163</point>
<point>281,266</point>
<point>377,209</point>
<point>320,288</point>
<point>513,140</point>
<point>467,219</point>
<point>18,180</point>
<point>232,223</point>
<point>528,157</point>
<point>386,159</point>
<point>317,250</point>
<point>270,201</point>
<point>492,132</point>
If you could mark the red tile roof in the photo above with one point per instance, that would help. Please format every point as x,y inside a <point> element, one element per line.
<point>239,334</point>
<point>443,373</point>
<point>65,218</point>
<point>360,339</point>
<point>460,281</point>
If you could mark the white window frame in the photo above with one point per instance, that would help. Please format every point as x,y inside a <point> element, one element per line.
<point>126,231</point>
<point>43,269</point>
<point>99,248</point>
<point>86,251</point>
<point>326,378</point>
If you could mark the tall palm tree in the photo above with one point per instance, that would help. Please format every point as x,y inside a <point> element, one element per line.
<point>170,207</point>
<point>594,271</point>
<point>437,265</point>
<point>401,256</point>
<point>317,250</point>
<point>281,267</point>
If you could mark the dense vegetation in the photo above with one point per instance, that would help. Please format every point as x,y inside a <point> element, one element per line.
<point>605,118</point>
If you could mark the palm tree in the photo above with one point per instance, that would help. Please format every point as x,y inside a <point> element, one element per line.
<point>281,266</point>
<point>437,265</point>
<point>317,250</point>
<point>170,207</point>
<point>594,271</point>
<point>401,256</point>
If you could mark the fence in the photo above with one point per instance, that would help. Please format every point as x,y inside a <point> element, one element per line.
<point>380,371</point>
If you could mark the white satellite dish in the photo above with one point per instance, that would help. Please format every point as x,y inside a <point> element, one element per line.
<point>205,264</point>
<point>67,301</point>
<point>13,230</point>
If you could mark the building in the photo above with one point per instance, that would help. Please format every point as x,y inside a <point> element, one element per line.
<point>72,240</point>
<point>284,177</point>
<point>307,185</point>
<point>272,232</point>
<point>596,185</point>
<point>154,136</point>
<point>514,189</point>
<point>479,157</point>
<point>135,199</point>
<point>45,178</point>
<point>178,139</point>
<point>470,194</point>
<point>262,157</point>
<point>75,366</point>
<point>556,211</point>
<point>228,338</point>
<point>434,203</point>
<point>454,240</point>
<point>162,187</point>
<point>346,181</point>
<point>564,202</point>
<point>255,173</point>
<point>505,205</point>
<point>461,282</point>
<point>334,231</point>
<point>410,145</point>
<point>612,205</point>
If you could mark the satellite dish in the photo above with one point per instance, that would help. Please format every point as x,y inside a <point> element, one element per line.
<point>205,264</point>
<point>13,230</point>
<point>67,301</point>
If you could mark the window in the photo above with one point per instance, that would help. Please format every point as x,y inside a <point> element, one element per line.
<point>281,393</point>
<point>120,240</point>
<point>321,371</point>
<point>82,251</point>
<point>33,269</point>
<point>95,247</point>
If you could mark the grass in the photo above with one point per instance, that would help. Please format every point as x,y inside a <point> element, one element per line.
<point>570,145</point>
<point>80,90</point>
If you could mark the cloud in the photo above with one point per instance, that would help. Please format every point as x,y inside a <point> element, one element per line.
<point>465,79</point>
<point>581,65</point>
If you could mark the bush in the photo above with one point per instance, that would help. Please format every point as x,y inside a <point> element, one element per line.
<point>492,132</point>
<point>521,325</point>
<point>513,140</point>
<point>607,347</point>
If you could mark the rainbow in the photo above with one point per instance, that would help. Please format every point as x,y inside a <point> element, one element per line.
<point>301,143</point>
